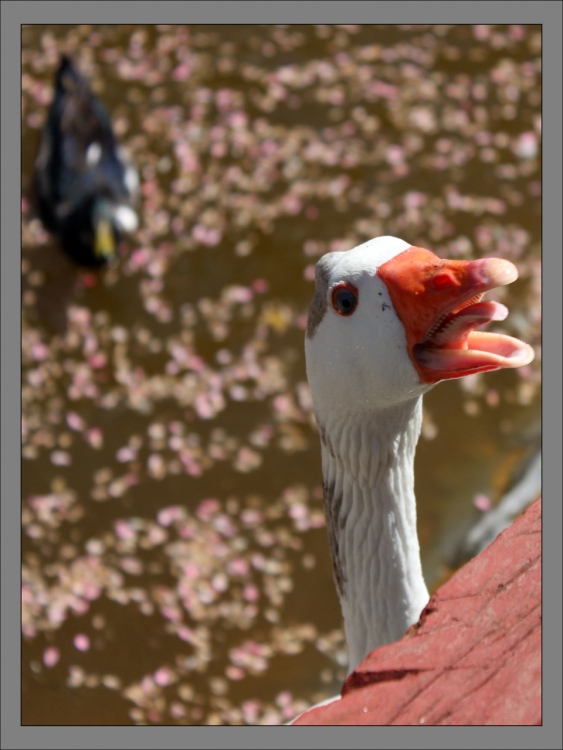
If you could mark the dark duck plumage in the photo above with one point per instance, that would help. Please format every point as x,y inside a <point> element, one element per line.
<point>84,188</point>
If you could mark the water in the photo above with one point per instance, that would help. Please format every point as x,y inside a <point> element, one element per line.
<point>176,567</point>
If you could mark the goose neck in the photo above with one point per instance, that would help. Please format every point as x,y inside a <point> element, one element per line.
<point>368,482</point>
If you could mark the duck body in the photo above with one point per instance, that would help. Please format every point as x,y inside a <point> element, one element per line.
<point>388,322</point>
<point>84,187</point>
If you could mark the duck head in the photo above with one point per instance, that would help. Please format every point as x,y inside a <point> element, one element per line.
<point>110,222</point>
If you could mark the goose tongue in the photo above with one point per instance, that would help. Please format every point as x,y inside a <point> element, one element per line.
<point>439,303</point>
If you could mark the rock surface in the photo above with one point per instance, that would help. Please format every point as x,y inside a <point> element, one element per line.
<point>474,657</point>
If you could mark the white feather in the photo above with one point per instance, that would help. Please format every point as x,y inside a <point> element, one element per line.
<point>93,154</point>
<point>131,180</point>
<point>126,218</point>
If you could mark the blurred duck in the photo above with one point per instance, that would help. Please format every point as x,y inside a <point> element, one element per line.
<point>84,186</point>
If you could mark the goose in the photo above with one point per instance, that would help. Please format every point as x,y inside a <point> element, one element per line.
<point>387,322</point>
<point>84,186</point>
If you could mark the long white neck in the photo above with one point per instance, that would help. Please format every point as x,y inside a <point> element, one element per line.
<point>368,481</point>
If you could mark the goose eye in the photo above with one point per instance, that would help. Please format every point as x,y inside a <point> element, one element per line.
<point>344,299</point>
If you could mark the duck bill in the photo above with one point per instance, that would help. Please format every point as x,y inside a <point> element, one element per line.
<point>440,305</point>
<point>104,243</point>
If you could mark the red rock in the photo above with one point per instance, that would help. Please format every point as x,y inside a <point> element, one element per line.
<point>473,658</point>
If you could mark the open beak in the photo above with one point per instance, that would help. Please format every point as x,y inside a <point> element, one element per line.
<point>104,244</point>
<point>440,304</point>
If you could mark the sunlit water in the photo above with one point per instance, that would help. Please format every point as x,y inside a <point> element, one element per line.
<point>176,569</point>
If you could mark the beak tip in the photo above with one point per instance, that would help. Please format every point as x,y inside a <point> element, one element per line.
<point>530,356</point>
<point>511,272</point>
<point>497,271</point>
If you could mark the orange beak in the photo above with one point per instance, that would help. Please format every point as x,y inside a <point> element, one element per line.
<point>440,304</point>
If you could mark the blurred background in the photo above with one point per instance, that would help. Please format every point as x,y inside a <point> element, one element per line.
<point>175,562</point>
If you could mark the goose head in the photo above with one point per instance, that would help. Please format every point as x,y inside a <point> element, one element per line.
<point>389,320</point>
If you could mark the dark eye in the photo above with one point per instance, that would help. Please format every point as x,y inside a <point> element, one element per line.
<point>344,299</point>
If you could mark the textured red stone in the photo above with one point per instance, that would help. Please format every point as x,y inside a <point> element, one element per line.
<point>474,657</point>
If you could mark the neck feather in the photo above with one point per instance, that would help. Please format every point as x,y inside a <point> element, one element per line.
<point>368,482</point>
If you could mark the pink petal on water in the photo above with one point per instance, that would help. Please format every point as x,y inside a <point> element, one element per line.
<point>185,633</point>
<point>177,710</point>
<point>527,145</point>
<point>123,529</point>
<point>220,582</point>
<point>182,71</point>
<point>238,566</point>
<point>164,676</point>
<point>171,613</point>
<point>75,421</point>
<point>260,286</point>
<point>250,593</point>
<point>482,502</point>
<point>235,673</point>
<point>240,294</point>
<point>167,515</point>
<point>301,322</point>
<point>207,509</point>
<point>250,709</point>
<point>126,454</point>
<point>147,685</point>
<point>284,699</point>
<point>298,511</point>
<point>81,642</point>
<point>51,656</point>
<point>139,258</point>
<point>238,119</point>
<point>191,570</point>
<point>91,591</point>
<point>482,32</point>
<point>95,437</point>
<point>98,360</point>
<point>61,458</point>
<point>39,351</point>
<point>309,273</point>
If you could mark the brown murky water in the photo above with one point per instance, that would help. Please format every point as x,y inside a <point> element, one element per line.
<point>176,568</point>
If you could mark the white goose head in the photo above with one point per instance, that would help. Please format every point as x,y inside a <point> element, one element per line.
<point>387,322</point>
